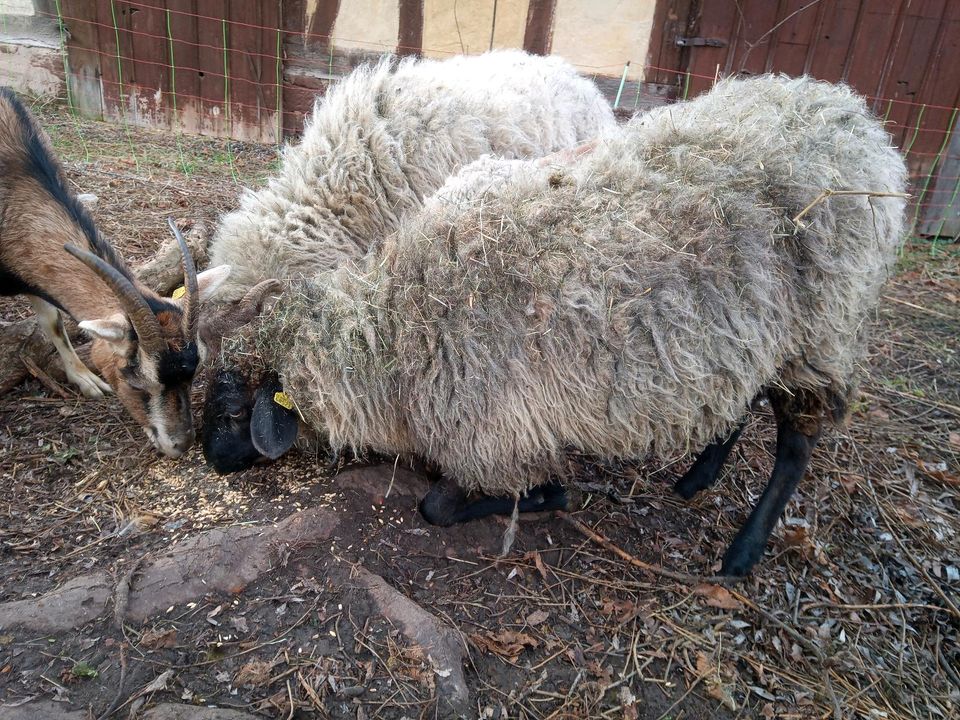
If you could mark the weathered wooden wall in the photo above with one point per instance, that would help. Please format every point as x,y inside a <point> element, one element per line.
<point>208,67</point>
<point>901,54</point>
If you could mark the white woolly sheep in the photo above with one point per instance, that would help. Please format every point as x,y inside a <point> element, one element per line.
<point>635,299</point>
<point>385,138</point>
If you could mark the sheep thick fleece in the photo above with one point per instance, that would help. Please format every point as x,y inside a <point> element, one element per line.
<point>385,138</point>
<point>634,300</point>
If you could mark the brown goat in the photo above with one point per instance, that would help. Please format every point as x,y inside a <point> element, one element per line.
<point>144,345</point>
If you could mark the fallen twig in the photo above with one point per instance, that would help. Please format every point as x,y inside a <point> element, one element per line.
<point>123,676</point>
<point>950,605</point>
<point>955,409</point>
<point>917,307</point>
<point>121,596</point>
<point>45,380</point>
<point>636,562</point>
<point>823,662</point>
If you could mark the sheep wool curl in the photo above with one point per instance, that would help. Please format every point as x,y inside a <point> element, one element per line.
<point>635,300</point>
<point>385,138</point>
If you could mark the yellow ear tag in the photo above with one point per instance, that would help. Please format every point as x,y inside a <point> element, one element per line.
<point>179,293</point>
<point>283,400</point>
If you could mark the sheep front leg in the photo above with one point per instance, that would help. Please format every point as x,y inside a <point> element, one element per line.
<point>447,504</point>
<point>799,423</point>
<point>706,468</point>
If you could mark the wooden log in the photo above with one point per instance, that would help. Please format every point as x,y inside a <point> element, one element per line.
<point>163,272</point>
<point>21,338</point>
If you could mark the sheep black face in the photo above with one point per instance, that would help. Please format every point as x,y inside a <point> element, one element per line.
<point>243,425</point>
<point>226,423</point>
<point>246,418</point>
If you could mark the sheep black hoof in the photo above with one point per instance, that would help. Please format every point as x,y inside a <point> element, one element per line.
<point>443,504</point>
<point>741,557</point>
<point>697,478</point>
<point>436,510</point>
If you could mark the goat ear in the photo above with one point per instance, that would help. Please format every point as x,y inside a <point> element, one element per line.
<point>113,329</point>
<point>273,427</point>
<point>210,280</point>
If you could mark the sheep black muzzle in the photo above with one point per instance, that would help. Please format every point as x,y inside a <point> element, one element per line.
<point>227,444</point>
<point>243,425</point>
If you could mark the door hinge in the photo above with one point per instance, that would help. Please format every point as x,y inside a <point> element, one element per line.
<point>700,41</point>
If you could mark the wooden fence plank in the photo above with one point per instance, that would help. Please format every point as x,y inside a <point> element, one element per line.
<point>942,219</point>
<point>82,57</point>
<point>252,34</point>
<point>147,61</point>
<point>186,65</point>
<point>211,77</point>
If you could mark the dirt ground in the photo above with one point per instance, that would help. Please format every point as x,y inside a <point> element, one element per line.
<point>853,613</point>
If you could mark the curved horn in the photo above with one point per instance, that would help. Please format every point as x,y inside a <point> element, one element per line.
<point>255,295</point>
<point>145,323</point>
<point>191,299</point>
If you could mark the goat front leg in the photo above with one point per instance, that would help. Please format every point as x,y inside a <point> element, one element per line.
<point>799,424</point>
<point>51,322</point>
<point>447,504</point>
<point>706,468</point>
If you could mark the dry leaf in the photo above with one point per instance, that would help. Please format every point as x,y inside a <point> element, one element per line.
<point>507,643</point>
<point>718,596</point>
<point>159,683</point>
<point>278,702</point>
<point>722,693</point>
<point>601,672</point>
<point>940,475</point>
<point>712,683</point>
<point>537,617</point>
<point>538,562</point>
<point>908,515</point>
<point>154,639</point>
<point>798,537</point>
<point>878,414</point>
<point>621,610</point>
<point>628,702</point>
<point>705,667</point>
<point>954,439</point>
<point>850,483</point>
<point>255,673</point>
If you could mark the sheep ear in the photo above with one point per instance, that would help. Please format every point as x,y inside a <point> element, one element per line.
<point>273,426</point>
<point>210,280</point>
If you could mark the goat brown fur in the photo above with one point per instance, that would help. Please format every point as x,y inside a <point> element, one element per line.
<point>39,216</point>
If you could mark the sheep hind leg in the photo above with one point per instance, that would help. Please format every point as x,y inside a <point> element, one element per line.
<point>799,424</point>
<point>447,504</point>
<point>706,468</point>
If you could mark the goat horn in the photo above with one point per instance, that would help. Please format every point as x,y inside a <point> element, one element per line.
<point>191,297</point>
<point>144,322</point>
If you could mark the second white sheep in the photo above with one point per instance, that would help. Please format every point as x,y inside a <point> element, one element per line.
<point>385,138</point>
